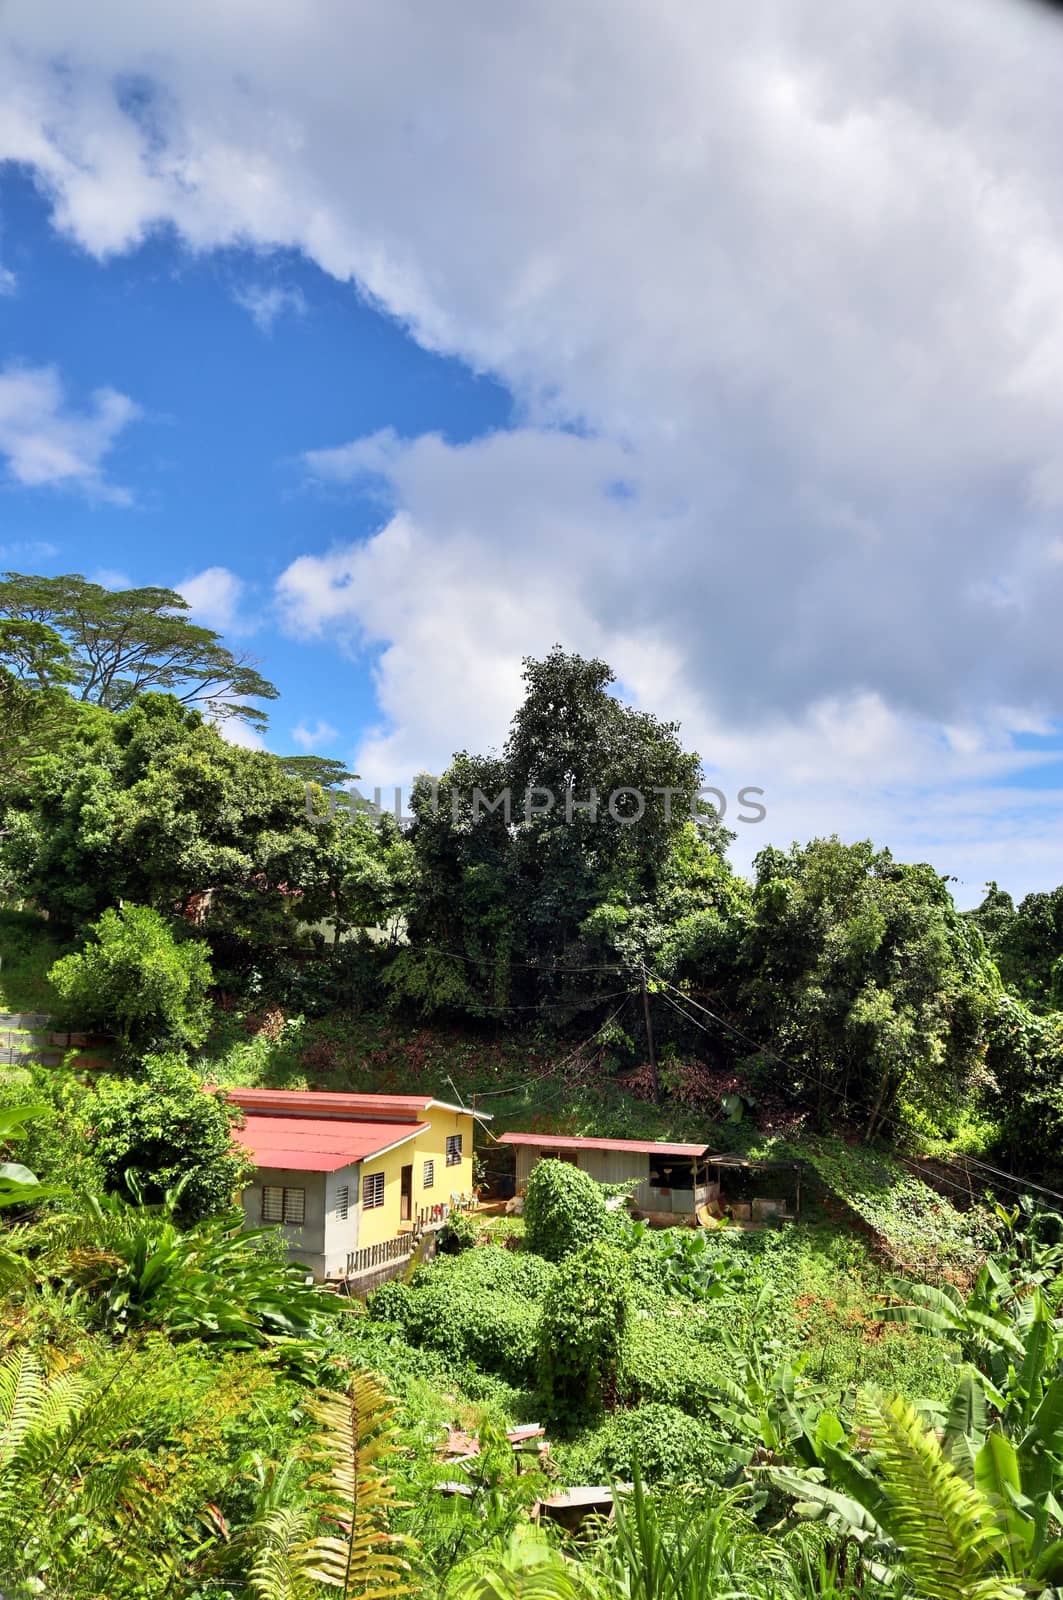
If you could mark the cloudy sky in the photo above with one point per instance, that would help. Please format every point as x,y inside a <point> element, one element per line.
<point>724,341</point>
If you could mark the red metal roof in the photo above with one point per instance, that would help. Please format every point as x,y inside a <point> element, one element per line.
<point>387,1107</point>
<point>364,1106</point>
<point>650,1147</point>
<point>320,1144</point>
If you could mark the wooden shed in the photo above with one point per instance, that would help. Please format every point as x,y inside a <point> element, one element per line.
<point>670,1179</point>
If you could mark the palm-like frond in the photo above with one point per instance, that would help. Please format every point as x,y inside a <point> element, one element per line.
<point>947,1530</point>
<point>355,1442</point>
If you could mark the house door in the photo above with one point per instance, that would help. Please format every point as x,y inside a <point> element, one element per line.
<point>406,1194</point>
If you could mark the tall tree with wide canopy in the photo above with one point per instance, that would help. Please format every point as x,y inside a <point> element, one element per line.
<point>864,977</point>
<point>507,899</point>
<point>111,645</point>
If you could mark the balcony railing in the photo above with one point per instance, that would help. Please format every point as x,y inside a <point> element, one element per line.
<point>378,1255</point>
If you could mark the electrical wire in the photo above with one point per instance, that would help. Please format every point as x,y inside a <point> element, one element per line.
<point>1018,1184</point>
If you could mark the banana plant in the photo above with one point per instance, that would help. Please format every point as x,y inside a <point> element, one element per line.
<point>917,1516</point>
<point>1013,1348</point>
<point>770,1409</point>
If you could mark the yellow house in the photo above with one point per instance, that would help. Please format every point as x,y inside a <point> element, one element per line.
<point>353,1180</point>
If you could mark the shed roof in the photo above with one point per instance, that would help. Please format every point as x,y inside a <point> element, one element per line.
<point>650,1147</point>
<point>326,1103</point>
<point>320,1144</point>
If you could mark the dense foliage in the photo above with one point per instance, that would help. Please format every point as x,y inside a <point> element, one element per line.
<point>180,1413</point>
<point>134,978</point>
<point>564,1210</point>
<point>158,1133</point>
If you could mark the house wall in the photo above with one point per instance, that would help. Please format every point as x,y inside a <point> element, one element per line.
<point>604,1166</point>
<point>306,1245</point>
<point>341,1233</point>
<point>616,1166</point>
<point>382,1222</point>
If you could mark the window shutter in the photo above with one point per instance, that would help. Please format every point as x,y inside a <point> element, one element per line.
<point>294,1206</point>
<point>272,1203</point>
<point>343,1202</point>
<point>453,1149</point>
<point>429,1174</point>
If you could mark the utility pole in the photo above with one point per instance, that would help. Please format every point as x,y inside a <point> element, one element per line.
<point>649,1039</point>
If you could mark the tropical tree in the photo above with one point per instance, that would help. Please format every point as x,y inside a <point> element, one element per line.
<point>158,1132</point>
<point>134,979</point>
<point>518,858</point>
<point>865,979</point>
<point>112,645</point>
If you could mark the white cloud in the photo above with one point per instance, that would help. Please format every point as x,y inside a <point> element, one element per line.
<point>46,442</point>
<point>242,734</point>
<point>112,578</point>
<point>28,550</point>
<point>792,274</point>
<point>264,303</point>
<point>215,596</point>
<point>311,737</point>
<point>8,281</point>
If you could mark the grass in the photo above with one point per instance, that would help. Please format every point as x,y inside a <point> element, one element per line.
<point>27,950</point>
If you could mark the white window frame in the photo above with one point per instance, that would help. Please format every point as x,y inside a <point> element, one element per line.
<point>428,1176</point>
<point>343,1202</point>
<point>372,1191</point>
<point>454,1149</point>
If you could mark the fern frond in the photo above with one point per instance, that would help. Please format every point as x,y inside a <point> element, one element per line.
<point>275,1572</point>
<point>947,1530</point>
<point>355,1442</point>
<point>21,1399</point>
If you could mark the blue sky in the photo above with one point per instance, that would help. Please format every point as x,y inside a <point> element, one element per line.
<point>228,405</point>
<point>725,345</point>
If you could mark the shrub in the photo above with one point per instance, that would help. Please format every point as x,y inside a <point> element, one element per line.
<point>132,978</point>
<point>583,1332</point>
<point>564,1210</point>
<point>661,1443</point>
<point>481,1307</point>
<point>160,1130</point>
<point>460,1233</point>
<point>391,1302</point>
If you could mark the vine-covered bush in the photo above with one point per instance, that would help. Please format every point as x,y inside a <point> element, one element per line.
<point>661,1443</point>
<point>480,1307</point>
<point>564,1210</point>
<point>670,1363</point>
<point>583,1333</point>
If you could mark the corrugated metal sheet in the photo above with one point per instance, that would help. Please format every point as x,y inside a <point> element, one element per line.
<point>320,1144</point>
<point>649,1147</point>
<point>387,1107</point>
<point>365,1106</point>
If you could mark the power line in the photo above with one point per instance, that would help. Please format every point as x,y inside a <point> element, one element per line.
<point>534,966</point>
<point>1017,1183</point>
<point>984,1165</point>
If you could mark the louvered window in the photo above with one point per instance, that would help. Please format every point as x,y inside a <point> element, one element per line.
<point>453,1149</point>
<point>372,1190</point>
<point>283,1205</point>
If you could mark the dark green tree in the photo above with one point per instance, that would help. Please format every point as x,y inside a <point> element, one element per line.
<point>864,977</point>
<point>161,1129</point>
<point>525,863</point>
<point>1027,943</point>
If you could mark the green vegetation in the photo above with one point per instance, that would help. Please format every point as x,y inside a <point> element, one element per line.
<point>28,950</point>
<point>134,977</point>
<point>564,1210</point>
<point>866,1402</point>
